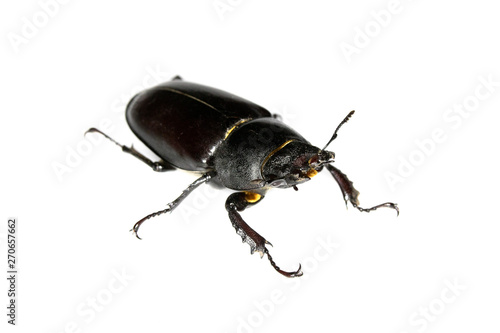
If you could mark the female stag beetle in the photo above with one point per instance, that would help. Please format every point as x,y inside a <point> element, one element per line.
<point>233,143</point>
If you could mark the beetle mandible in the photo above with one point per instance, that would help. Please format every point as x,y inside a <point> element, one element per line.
<point>232,143</point>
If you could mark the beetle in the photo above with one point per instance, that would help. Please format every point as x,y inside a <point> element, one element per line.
<point>232,143</point>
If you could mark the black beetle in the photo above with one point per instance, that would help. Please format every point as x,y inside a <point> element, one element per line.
<point>233,143</point>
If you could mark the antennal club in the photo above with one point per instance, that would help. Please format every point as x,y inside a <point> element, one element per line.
<point>338,127</point>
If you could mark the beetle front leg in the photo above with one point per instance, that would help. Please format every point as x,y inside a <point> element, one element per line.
<point>349,192</point>
<point>236,203</point>
<point>159,166</point>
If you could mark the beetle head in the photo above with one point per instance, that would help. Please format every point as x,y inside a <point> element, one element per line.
<point>293,164</point>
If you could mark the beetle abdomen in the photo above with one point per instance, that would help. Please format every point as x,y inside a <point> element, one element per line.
<point>184,123</point>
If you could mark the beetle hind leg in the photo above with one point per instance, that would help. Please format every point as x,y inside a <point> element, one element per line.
<point>351,194</point>
<point>236,203</point>
<point>159,166</point>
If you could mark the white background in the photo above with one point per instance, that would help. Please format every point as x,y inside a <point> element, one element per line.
<point>191,273</point>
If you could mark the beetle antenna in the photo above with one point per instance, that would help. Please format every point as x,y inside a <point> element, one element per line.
<point>338,127</point>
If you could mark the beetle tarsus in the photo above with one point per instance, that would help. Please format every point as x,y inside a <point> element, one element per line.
<point>137,225</point>
<point>297,273</point>
<point>386,204</point>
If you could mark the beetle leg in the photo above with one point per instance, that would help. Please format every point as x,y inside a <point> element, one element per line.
<point>277,116</point>
<point>172,205</point>
<point>351,194</point>
<point>156,166</point>
<point>236,203</point>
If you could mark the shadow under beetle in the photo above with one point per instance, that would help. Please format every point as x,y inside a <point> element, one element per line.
<point>232,143</point>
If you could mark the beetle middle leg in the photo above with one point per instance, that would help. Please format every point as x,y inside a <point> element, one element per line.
<point>172,205</point>
<point>236,203</point>
<point>159,166</point>
<point>349,192</point>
